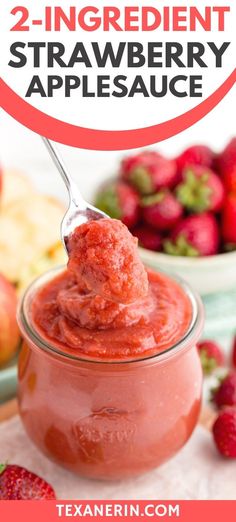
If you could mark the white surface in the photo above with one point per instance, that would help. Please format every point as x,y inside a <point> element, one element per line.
<point>196,473</point>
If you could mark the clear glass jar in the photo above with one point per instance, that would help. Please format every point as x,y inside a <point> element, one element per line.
<point>108,420</point>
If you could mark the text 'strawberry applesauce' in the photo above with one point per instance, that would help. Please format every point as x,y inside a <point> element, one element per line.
<point>109,375</point>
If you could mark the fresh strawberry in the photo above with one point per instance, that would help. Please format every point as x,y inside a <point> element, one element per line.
<point>229,180</point>
<point>120,201</point>
<point>201,190</point>
<point>195,155</point>
<point>234,352</point>
<point>226,163</point>
<point>148,237</point>
<point>161,210</point>
<point>194,236</point>
<point>17,483</point>
<point>224,432</point>
<point>149,172</point>
<point>225,393</point>
<point>211,355</point>
<point>229,221</point>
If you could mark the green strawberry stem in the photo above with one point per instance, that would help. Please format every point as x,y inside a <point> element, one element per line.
<point>141,180</point>
<point>2,468</point>
<point>180,247</point>
<point>209,364</point>
<point>153,199</point>
<point>194,194</point>
<point>107,201</point>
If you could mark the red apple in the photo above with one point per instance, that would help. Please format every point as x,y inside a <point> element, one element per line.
<point>9,331</point>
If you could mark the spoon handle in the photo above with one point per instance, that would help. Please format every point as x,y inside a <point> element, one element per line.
<point>74,193</point>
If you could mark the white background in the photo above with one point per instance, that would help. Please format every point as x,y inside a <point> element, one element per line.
<point>114,113</point>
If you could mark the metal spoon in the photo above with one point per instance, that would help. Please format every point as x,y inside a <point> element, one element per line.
<point>79,211</point>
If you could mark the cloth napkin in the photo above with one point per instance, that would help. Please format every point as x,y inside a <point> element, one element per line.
<point>196,473</point>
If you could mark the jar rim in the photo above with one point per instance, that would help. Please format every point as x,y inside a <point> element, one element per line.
<point>192,333</point>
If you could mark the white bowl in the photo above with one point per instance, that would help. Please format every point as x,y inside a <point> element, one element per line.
<point>207,275</point>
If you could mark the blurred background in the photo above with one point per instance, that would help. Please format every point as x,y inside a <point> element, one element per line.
<point>22,149</point>
<point>32,207</point>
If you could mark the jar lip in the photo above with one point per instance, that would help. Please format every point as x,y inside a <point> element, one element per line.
<point>193,331</point>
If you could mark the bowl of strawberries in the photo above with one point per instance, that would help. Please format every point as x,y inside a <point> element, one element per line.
<point>182,210</point>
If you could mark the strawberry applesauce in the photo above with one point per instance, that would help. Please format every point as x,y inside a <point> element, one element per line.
<point>109,376</point>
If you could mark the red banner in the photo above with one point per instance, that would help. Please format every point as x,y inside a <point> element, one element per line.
<point>51,511</point>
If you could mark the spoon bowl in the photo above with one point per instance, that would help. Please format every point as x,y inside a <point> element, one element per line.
<point>74,217</point>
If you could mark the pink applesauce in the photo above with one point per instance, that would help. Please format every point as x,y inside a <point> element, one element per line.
<point>107,305</point>
<point>109,376</point>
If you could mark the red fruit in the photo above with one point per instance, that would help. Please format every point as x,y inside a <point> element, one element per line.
<point>194,236</point>
<point>229,179</point>
<point>119,201</point>
<point>225,393</point>
<point>149,172</point>
<point>228,156</point>
<point>161,210</point>
<point>224,432</point>
<point>227,159</point>
<point>226,163</point>
<point>234,352</point>
<point>229,220</point>
<point>195,155</point>
<point>148,238</point>
<point>201,190</point>
<point>211,355</point>
<point>17,483</point>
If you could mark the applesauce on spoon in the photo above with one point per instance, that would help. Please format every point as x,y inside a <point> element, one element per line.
<point>111,346</point>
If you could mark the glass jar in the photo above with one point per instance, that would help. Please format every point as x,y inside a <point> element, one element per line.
<point>108,420</point>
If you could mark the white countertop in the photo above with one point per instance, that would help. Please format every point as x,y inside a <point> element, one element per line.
<point>196,473</point>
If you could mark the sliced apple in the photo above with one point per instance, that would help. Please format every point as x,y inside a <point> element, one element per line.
<point>29,228</point>
<point>15,185</point>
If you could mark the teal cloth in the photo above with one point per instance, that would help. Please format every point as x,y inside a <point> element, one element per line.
<point>220,312</point>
